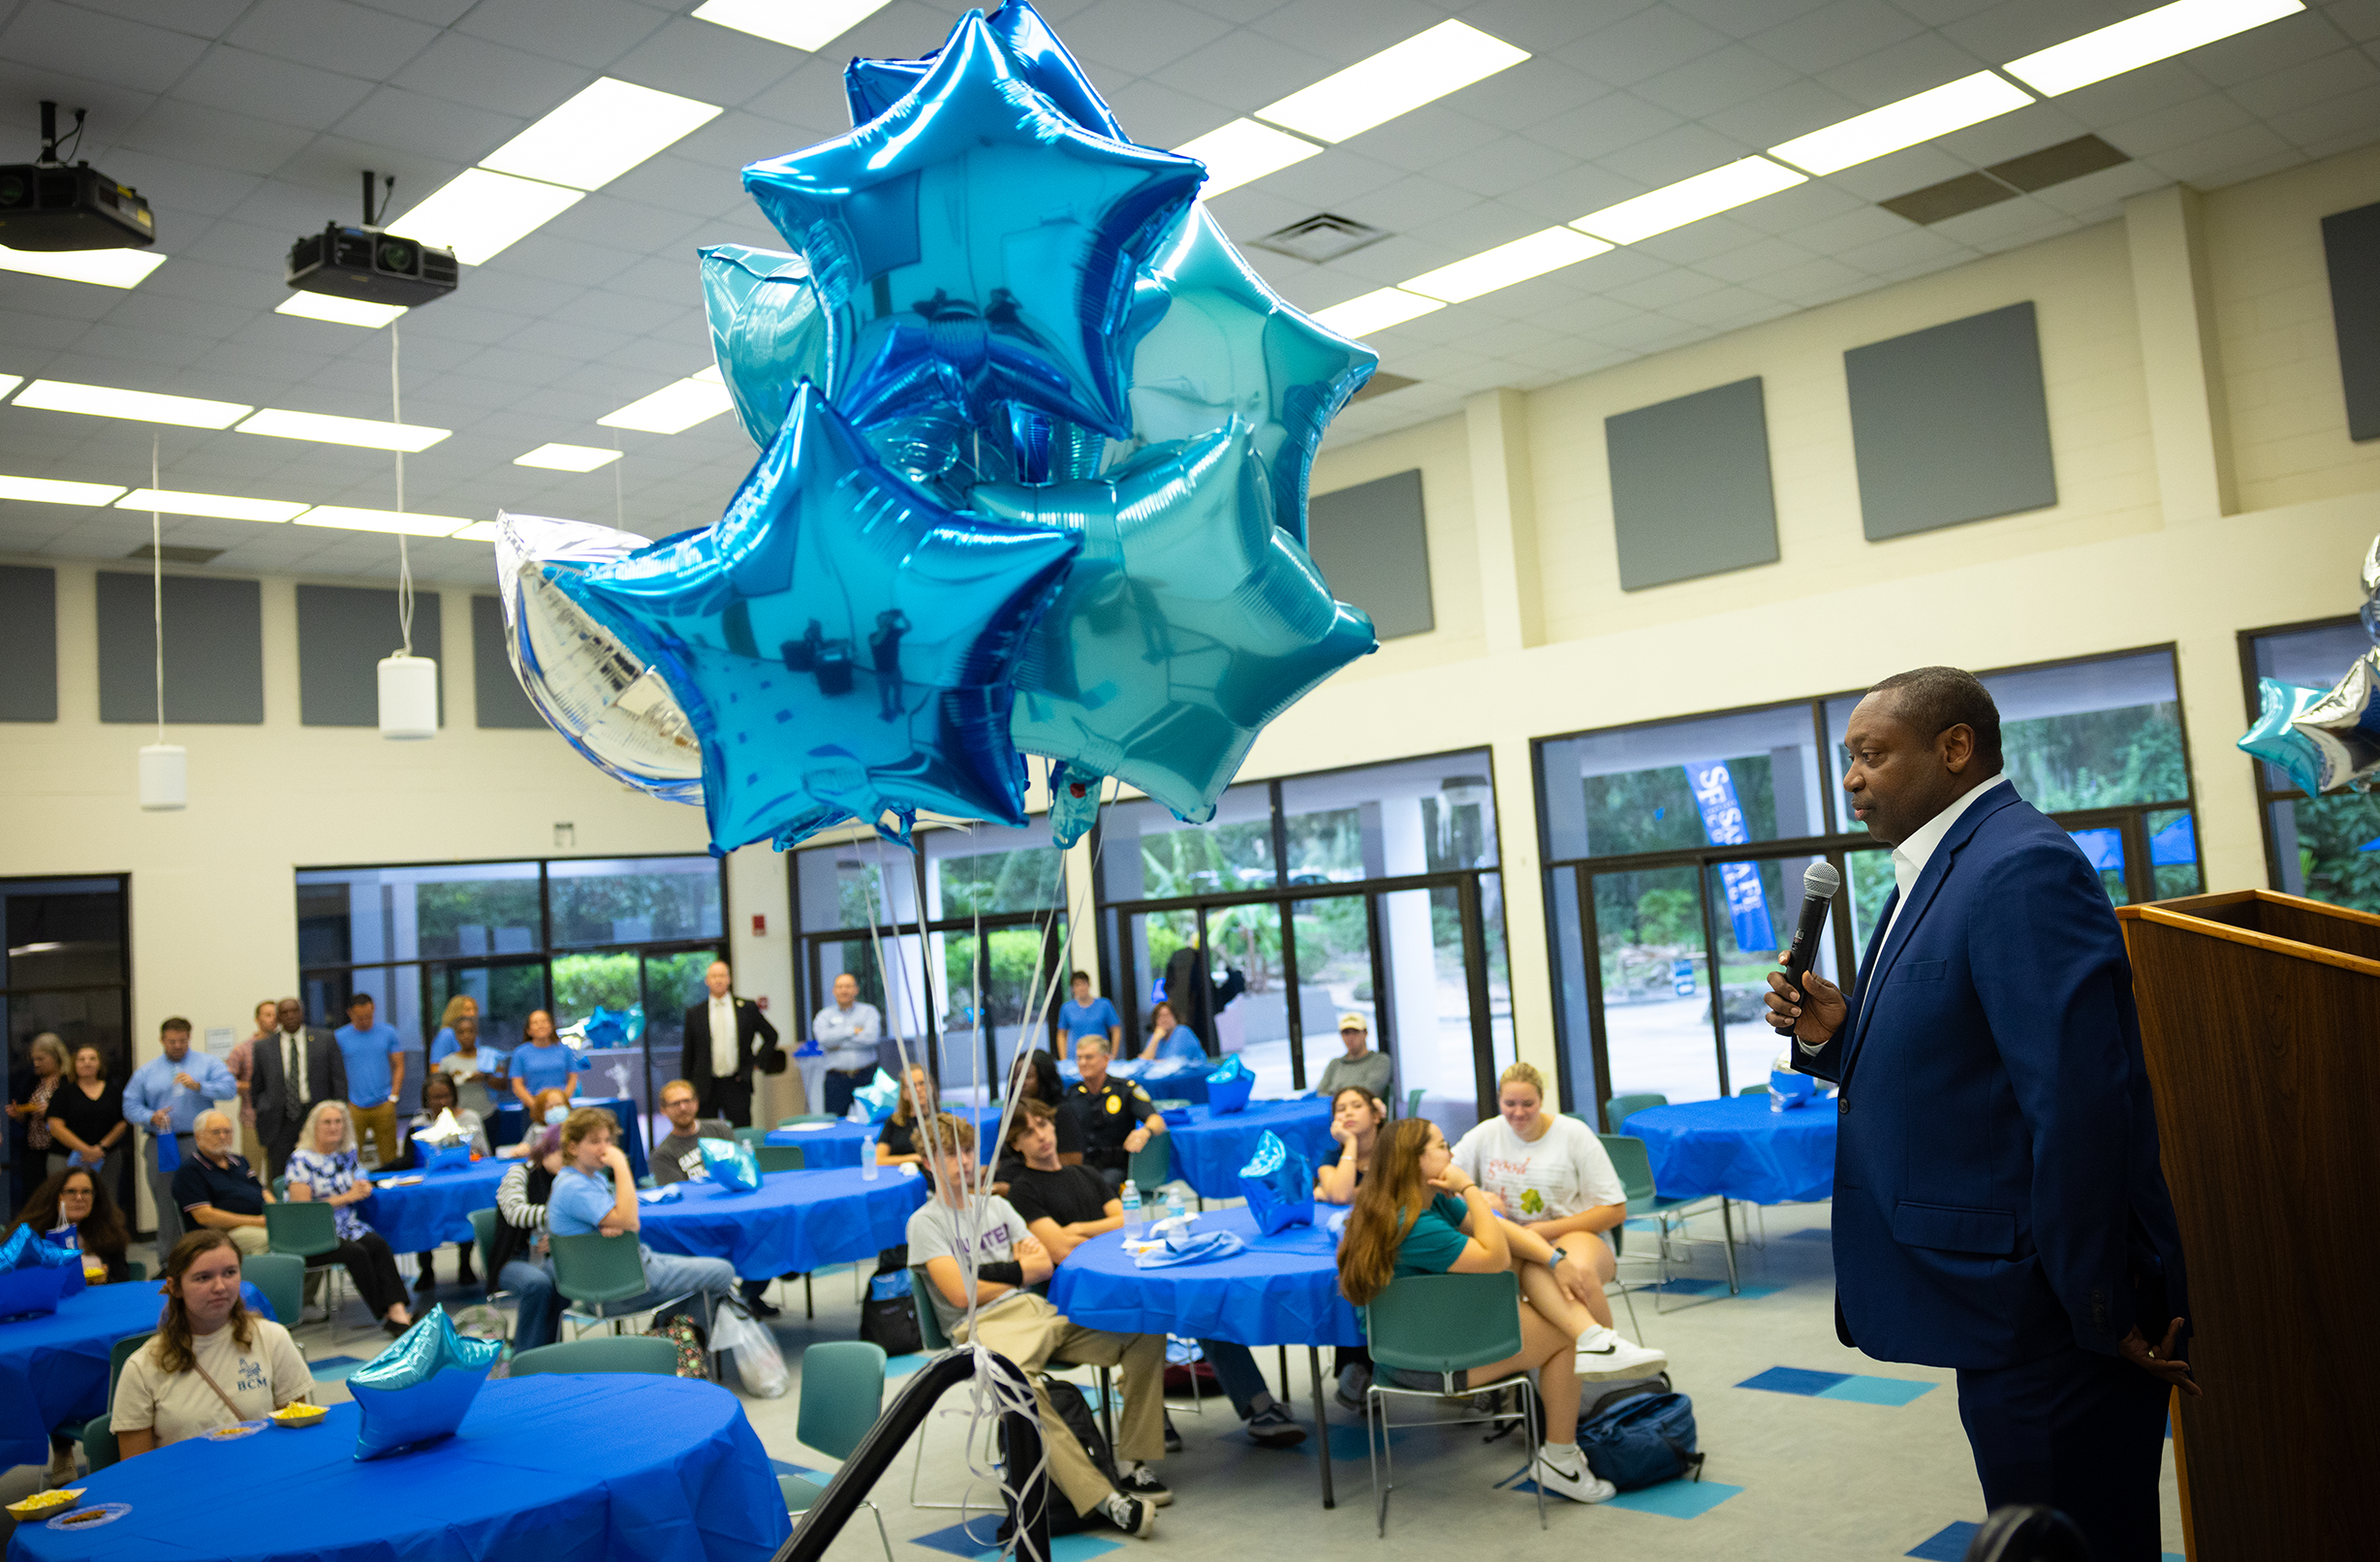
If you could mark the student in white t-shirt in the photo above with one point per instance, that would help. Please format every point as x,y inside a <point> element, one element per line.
<point>1551,1174</point>
<point>211,1361</point>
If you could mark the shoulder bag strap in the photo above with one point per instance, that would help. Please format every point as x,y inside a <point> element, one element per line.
<point>210,1380</point>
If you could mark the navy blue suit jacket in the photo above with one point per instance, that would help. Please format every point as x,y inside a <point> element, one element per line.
<point>1997,1195</point>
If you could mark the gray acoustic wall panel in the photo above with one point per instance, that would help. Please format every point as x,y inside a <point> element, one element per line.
<point>1950,424</point>
<point>2351,244</point>
<point>214,650</point>
<point>1372,542</point>
<point>342,634</point>
<point>28,643</point>
<point>500,700</point>
<point>1690,486</point>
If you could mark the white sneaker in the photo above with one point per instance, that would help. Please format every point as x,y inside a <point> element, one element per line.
<point>1602,1352</point>
<point>1579,1485</point>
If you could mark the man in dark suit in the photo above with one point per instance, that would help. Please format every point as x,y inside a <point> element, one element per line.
<point>295,1069</point>
<point>1998,1203</point>
<point>726,1038</point>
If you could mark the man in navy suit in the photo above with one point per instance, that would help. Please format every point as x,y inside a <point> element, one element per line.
<point>1998,1204</point>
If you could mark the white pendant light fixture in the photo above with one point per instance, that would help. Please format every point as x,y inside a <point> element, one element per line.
<point>165,768</point>
<point>408,683</point>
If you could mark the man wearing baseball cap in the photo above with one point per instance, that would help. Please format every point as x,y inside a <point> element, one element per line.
<point>1361,1066</point>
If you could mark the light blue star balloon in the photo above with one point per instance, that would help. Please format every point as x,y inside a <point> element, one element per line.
<point>2344,724</point>
<point>843,646</point>
<point>1187,623</point>
<point>972,246</point>
<point>767,331</point>
<point>2275,739</point>
<point>420,1386</point>
<point>873,86</point>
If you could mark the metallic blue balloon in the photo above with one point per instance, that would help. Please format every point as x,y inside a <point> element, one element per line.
<point>842,644</point>
<point>420,1386</point>
<point>1187,623</point>
<point>972,246</point>
<point>2344,724</point>
<point>767,331</point>
<point>2275,739</point>
<point>1229,347</point>
<point>873,86</point>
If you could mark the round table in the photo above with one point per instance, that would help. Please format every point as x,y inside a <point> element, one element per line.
<point>421,1216</point>
<point>53,1367</point>
<point>1738,1149</point>
<point>794,1222</point>
<point>827,1146</point>
<point>511,1121</point>
<point>624,1467</point>
<point>1168,1080</point>
<point>1208,1150</point>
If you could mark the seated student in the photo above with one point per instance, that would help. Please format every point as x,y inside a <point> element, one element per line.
<point>211,1361</point>
<point>678,1157</point>
<point>1356,1116</point>
<point>1009,1319</point>
<point>548,1109</point>
<point>1398,1228</point>
<point>1169,1037</point>
<point>1042,1083</point>
<point>71,1209</point>
<point>441,1094</point>
<point>896,1141</point>
<point>1552,1174</point>
<point>217,1189</point>
<point>595,1193</point>
<point>1065,1207</point>
<point>1116,1116</point>
<point>1360,1065</point>
<point>517,1258</point>
<point>324,1169</point>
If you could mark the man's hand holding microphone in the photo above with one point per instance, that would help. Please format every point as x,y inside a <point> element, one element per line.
<point>1802,1004</point>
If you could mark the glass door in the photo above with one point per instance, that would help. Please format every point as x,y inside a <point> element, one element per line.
<point>1654,969</point>
<point>1337,975</point>
<point>1021,965</point>
<point>1247,999</point>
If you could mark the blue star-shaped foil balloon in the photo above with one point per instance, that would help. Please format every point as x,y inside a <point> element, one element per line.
<point>842,644</point>
<point>767,331</point>
<point>2344,724</point>
<point>872,86</point>
<point>972,246</point>
<point>420,1386</point>
<point>2275,739</point>
<point>1188,622</point>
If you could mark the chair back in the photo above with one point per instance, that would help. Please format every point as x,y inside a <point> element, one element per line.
<point>777,1158</point>
<point>807,1117</point>
<point>483,1237</point>
<point>842,1393</point>
<point>650,1353</point>
<point>592,1270</point>
<point>1152,1164</point>
<point>135,1269</point>
<point>1753,1090</point>
<point>121,1354</point>
<point>1413,1102</point>
<point>929,1322</point>
<point>751,1135</point>
<point>282,1278</point>
<point>305,1229</point>
<point>99,1443</point>
<point>1445,1323</point>
<point>1619,1108</point>
<point>1634,1164</point>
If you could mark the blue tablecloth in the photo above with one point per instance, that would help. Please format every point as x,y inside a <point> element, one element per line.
<point>1283,1290</point>
<point>795,1222</point>
<point>824,1146</point>
<point>1738,1149</point>
<point>1208,1151</point>
<point>511,1121</point>
<point>53,1369</point>
<point>1172,1079</point>
<point>620,1467</point>
<point>437,1209</point>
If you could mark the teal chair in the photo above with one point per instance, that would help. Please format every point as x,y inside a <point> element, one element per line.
<point>308,1231</point>
<point>135,1269</point>
<point>842,1393</point>
<point>597,1275</point>
<point>1635,1169</point>
<point>648,1354</point>
<point>1753,1090</point>
<point>934,1341</point>
<point>282,1278</point>
<point>806,1117</point>
<point>1445,1325</point>
<point>484,1239</point>
<point>98,1440</point>
<point>751,1135</point>
<point>1413,1102</point>
<point>1151,1169</point>
<point>1619,1108</point>
<point>777,1157</point>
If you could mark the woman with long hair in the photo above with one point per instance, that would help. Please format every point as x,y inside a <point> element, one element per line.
<point>1356,1119</point>
<point>72,1209</point>
<point>540,1062</point>
<point>325,1169</point>
<point>211,1361</point>
<point>49,1059</point>
<point>1419,1213</point>
<point>87,1120</point>
<point>897,1143</point>
<point>458,1007</point>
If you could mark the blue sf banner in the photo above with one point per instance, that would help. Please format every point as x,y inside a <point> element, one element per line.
<point>1723,823</point>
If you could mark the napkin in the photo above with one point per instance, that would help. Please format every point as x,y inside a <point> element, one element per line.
<point>1185,1246</point>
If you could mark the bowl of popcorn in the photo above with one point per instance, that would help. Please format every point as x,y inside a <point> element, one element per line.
<point>298,1415</point>
<point>41,1502</point>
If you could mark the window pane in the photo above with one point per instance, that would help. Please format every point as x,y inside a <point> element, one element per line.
<point>2104,846</point>
<point>1635,789</point>
<point>1384,821</point>
<point>1017,987</point>
<point>1252,1017</point>
<point>850,885</point>
<point>2173,853</point>
<point>2311,658</point>
<point>1872,887</point>
<point>1429,1004</point>
<point>507,995</point>
<point>1501,1044</point>
<point>633,900</point>
<point>2330,849</point>
<point>985,870</point>
<point>361,915</point>
<point>1334,975</point>
<point>1150,854</point>
<point>1755,906</point>
<point>1167,966</point>
<point>1656,988</point>
<point>585,983</point>
<point>61,933</point>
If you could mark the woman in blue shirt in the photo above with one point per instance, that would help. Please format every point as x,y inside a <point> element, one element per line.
<point>1418,1213</point>
<point>595,1194</point>
<point>1169,1037</point>
<point>540,1062</point>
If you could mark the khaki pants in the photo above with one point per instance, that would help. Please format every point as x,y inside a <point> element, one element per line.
<point>381,1123</point>
<point>1029,1332</point>
<point>249,1238</point>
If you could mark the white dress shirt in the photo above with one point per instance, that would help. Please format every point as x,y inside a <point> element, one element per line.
<point>294,1061</point>
<point>723,1037</point>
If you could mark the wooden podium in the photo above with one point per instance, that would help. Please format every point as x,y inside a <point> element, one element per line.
<point>2260,1014</point>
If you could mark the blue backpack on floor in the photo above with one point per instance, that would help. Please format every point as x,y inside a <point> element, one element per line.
<point>1642,1441</point>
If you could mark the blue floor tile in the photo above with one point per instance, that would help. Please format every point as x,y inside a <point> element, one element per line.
<point>972,1538</point>
<point>1794,1380</point>
<point>1703,1288</point>
<point>1946,1545</point>
<point>1677,1499</point>
<point>1862,1389</point>
<point>1811,1233</point>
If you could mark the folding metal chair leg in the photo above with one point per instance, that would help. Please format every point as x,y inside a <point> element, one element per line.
<point>880,1530</point>
<point>1373,1437</point>
<point>809,1300</point>
<point>1528,1428</point>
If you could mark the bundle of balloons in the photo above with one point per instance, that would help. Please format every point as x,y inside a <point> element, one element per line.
<point>1035,441</point>
<point>2327,739</point>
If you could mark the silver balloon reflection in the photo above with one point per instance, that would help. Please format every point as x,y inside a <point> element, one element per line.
<point>587,685</point>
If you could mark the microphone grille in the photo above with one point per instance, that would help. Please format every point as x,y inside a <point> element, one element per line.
<point>1822,881</point>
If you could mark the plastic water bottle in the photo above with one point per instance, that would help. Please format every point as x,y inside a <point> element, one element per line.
<point>1132,1212</point>
<point>1174,1211</point>
<point>868,1168</point>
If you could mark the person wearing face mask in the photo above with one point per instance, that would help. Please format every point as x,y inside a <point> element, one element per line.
<point>519,1259</point>
<point>540,1062</point>
<point>548,1109</point>
<point>211,1361</point>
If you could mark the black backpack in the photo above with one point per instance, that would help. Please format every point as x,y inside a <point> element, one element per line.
<point>889,1317</point>
<point>1075,1412</point>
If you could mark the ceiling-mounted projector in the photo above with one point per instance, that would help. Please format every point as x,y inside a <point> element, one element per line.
<point>49,205</point>
<point>370,265</point>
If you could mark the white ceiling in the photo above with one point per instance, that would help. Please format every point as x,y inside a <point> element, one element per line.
<point>245,122</point>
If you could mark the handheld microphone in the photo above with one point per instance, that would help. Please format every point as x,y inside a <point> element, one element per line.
<point>1818,887</point>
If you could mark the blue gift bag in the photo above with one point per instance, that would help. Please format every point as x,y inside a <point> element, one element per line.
<point>1278,1183</point>
<point>730,1164</point>
<point>1227,1087</point>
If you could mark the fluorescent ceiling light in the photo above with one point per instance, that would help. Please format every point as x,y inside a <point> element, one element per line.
<point>349,519</point>
<point>1397,81</point>
<point>1376,310</point>
<point>1673,206</point>
<point>220,506</point>
<point>104,267</point>
<point>567,458</point>
<point>50,491</point>
<point>1504,265</point>
<point>2143,40</point>
<point>339,311</point>
<point>10,382</point>
<point>1244,150</point>
<point>810,24</point>
<point>142,406</point>
<point>479,531</point>
<point>674,408</point>
<point>324,430</point>
<point>477,213</point>
<point>1969,100</point>
<point>599,133</point>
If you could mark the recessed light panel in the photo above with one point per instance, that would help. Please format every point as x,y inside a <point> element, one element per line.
<point>2143,40</point>
<point>1673,206</point>
<point>807,24</point>
<point>674,408</point>
<point>101,268</point>
<point>479,213</point>
<point>599,134</point>
<point>1397,81</point>
<point>324,430</point>
<point>1376,310</point>
<point>220,506</point>
<point>479,531</point>
<point>1968,100</point>
<point>346,517</point>
<point>140,406</point>
<point>1504,265</point>
<point>567,458</point>
<point>1244,150</point>
<point>339,311</point>
<point>50,491</point>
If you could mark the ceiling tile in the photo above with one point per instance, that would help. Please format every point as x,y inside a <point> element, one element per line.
<point>1247,69</point>
<point>1652,41</point>
<point>1139,37</point>
<point>2260,50</point>
<point>1796,107</point>
<point>1916,64</point>
<point>333,34</point>
<point>175,127</point>
<point>589,33</point>
<point>432,127</point>
<point>510,81</point>
<point>2317,81</point>
<point>1714,81</point>
<point>705,61</point>
<point>277,90</point>
<point>51,37</point>
<point>1834,34</point>
<point>2330,119</point>
<point>1604,126</point>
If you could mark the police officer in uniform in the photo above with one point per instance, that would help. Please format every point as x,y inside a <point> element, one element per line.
<point>1115,1115</point>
